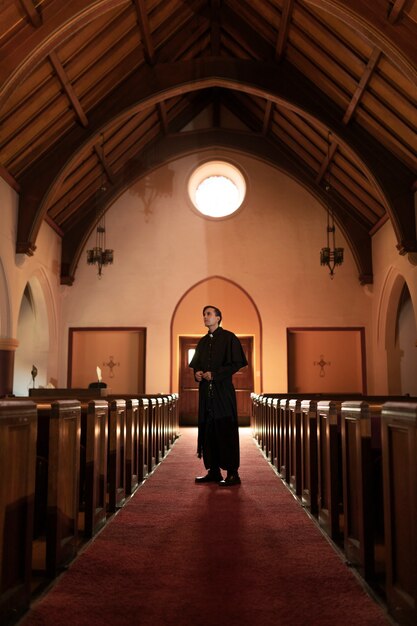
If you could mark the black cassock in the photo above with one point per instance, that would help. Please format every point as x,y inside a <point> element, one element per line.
<point>220,353</point>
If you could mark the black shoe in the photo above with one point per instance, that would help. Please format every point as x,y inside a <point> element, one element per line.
<point>230,480</point>
<point>210,477</point>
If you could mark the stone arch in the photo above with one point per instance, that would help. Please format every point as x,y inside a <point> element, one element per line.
<point>5,313</point>
<point>37,334</point>
<point>240,314</point>
<point>387,327</point>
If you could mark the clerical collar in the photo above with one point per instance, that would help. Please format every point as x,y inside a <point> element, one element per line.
<point>211,334</point>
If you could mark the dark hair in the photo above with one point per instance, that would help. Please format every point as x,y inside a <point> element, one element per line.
<point>216,311</point>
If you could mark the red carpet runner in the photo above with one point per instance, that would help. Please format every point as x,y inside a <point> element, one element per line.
<point>182,554</point>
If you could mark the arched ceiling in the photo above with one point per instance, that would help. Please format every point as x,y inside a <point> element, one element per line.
<point>326,90</point>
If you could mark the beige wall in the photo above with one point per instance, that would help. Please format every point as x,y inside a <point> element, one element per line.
<point>269,251</point>
<point>266,259</point>
<point>41,272</point>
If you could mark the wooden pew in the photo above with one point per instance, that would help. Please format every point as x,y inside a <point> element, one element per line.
<point>284,439</point>
<point>399,459</point>
<point>362,483</point>
<point>294,446</point>
<point>152,417</point>
<point>18,431</point>
<point>94,435</point>
<point>144,453</point>
<point>309,456</point>
<point>330,495</point>
<point>275,433</point>
<point>57,481</point>
<point>116,470</point>
<point>132,445</point>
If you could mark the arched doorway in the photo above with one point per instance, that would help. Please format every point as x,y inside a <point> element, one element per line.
<point>240,315</point>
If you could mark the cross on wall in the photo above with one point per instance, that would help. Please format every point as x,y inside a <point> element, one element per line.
<point>111,365</point>
<point>321,364</point>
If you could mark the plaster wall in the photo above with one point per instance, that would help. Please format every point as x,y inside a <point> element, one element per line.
<point>270,249</point>
<point>41,271</point>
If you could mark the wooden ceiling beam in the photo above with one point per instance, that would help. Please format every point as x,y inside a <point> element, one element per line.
<point>281,83</point>
<point>32,13</point>
<point>99,150</point>
<point>327,161</point>
<point>68,88</point>
<point>61,19</point>
<point>287,10</point>
<point>396,11</point>
<point>215,27</point>
<point>267,117</point>
<point>10,180</point>
<point>145,31</point>
<point>163,117</point>
<point>396,41</point>
<point>363,83</point>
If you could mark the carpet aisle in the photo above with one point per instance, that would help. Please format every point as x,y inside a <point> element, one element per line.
<point>180,554</point>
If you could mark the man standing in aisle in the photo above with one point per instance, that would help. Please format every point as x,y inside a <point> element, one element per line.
<point>218,356</point>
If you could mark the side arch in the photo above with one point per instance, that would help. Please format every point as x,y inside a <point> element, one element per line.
<point>37,335</point>
<point>5,311</point>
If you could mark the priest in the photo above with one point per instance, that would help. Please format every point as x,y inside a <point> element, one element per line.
<point>219,355</point>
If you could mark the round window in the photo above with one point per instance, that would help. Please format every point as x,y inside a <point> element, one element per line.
<point>217,189</point>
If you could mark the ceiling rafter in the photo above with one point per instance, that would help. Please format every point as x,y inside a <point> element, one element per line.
<point>68,88</point>
<point>370,19</point>
<point>396,11</point>
<point>145,31</point>
<point>61,20</point>
<point>287,10</point>
<point>163,117</point>
<point>266,124</point>
<point>215,27</point>
<point>280,83</point>
<point>31,11</point>
<point>363,83</point>
<point>332,147</point>
<point>99,150</point>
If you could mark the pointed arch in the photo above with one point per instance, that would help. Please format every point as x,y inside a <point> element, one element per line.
<point>238,308</point>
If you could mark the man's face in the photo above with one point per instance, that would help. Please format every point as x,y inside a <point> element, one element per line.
<point>210,318</point>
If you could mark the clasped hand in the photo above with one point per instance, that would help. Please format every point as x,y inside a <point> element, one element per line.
<point>200,375</point>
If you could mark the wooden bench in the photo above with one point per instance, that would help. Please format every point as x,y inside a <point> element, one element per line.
<point>362,484</point>
<point>116,470</point>
<point>93,470</point>
<point>309,456</point>
<point>330,492</point>
<point>133,431</point>
<point>18,432</point>
<point>57,481</point>
<point>284,439</point>
<point>294,446</point>
<point>399,459</point>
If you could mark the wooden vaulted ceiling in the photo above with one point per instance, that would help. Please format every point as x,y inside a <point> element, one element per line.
<point>94,91</point>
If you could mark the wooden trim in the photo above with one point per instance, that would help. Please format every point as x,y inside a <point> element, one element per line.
<point>360,329</point>
<point>77,329</point>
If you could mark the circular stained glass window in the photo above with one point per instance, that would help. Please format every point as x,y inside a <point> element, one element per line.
<point>217,189</point>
